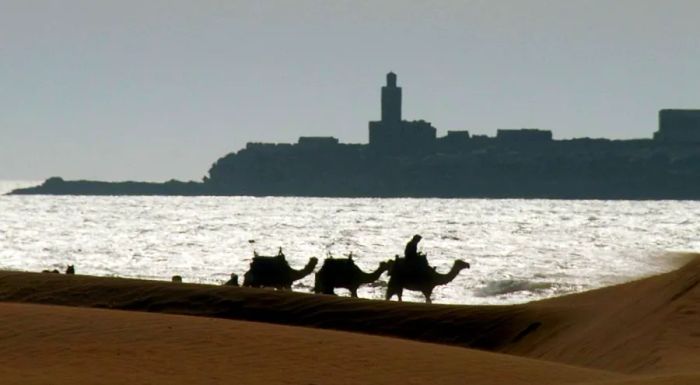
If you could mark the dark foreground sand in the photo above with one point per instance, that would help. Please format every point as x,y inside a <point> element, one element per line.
<point>643,332</point>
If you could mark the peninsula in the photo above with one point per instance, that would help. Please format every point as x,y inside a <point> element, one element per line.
<point>407,159</point>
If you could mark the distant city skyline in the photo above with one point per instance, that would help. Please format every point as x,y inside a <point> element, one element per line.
<point>158,90</point>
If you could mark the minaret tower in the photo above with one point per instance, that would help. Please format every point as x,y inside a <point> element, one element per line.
<point>391,100</point>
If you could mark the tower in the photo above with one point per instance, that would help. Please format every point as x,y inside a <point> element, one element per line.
<point>393,136</point>
<point>391,100</point>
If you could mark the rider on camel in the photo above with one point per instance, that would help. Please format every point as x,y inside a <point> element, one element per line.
<point>412,255</point>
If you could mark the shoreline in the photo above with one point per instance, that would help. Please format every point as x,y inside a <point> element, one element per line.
<point>60,187</point>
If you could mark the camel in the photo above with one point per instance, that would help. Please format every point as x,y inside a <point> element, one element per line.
<point>275,272</point>
<point>344,273</point>
<point>403,275</point>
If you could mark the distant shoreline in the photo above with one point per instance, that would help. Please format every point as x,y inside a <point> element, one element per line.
<point>58,186</point>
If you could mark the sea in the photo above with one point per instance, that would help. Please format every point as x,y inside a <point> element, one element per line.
<point>520,250</point>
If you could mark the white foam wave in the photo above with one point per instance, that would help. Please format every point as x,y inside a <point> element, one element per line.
<point>507,286</point>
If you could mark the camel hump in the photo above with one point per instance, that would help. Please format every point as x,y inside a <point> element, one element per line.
<point>265,261</point>
<point>338,268</point>
<point>279,256</point>
<point>338,263</point>
<point>265,270</point>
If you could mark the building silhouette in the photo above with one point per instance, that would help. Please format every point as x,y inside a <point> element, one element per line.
<point>406,159</point>
<point>678,126</point>
<point>394,136</point>
<point>524,135</point>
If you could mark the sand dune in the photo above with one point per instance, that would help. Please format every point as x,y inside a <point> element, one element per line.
<point>41,343</point>
<point>647,326</point>
<point>643,332</point>
<point>679,379</point>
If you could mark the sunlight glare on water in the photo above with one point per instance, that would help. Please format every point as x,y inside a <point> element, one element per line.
<point>519,250</point>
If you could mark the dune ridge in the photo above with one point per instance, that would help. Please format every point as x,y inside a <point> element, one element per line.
<point>482,327</point>
<point>651,325</point>
<point>80,345</point>
<point>641,332</point>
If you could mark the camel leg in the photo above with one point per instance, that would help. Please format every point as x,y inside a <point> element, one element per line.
<point>427,295</point>
<point>353,293</point>
<point>390,291</point>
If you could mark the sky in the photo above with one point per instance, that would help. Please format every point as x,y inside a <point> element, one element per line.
<point>154,90</point>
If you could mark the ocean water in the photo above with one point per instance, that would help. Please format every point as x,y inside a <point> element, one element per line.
<point>519,250</point>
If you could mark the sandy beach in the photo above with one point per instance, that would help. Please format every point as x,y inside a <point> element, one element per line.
<point>63,329</point>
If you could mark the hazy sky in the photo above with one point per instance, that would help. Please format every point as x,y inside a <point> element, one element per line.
<point>153,90</point>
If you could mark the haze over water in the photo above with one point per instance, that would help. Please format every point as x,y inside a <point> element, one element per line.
<point>520,250</point>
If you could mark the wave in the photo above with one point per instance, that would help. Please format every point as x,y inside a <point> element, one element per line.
<point>507,286</point>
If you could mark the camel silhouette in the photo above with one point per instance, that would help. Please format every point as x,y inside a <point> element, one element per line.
<point>344,273</point>
<point>275,272</point>
<point>412,276</point>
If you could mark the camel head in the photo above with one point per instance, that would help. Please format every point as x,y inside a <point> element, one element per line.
<point>373,276</point>
<point>460,264</point>
<point>386,265</point>
<point>313,261</point>
<point>308,269</point>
